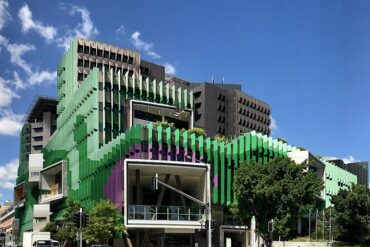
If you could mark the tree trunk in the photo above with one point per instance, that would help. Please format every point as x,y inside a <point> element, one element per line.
<point>126,236</point>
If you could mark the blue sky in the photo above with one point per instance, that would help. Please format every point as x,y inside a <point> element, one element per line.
<point>310,60</point>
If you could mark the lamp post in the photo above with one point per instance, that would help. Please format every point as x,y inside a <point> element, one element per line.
<point>309,225</point>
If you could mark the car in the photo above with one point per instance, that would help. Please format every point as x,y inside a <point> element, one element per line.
<point>55,243</point>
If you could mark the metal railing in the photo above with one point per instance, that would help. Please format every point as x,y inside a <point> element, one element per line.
<point>174,213</point>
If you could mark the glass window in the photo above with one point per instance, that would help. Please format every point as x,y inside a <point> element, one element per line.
<point>80,48</point>
<point>130,60</point>
<point>93,51</point>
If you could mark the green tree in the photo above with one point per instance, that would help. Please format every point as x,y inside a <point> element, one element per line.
<point>279,190</point>
<point>197,131</point>
<point>104,223</point>
<point>65,231</point>
<point>352,214</point>
<point>164,124</point>
<point>222,138</point>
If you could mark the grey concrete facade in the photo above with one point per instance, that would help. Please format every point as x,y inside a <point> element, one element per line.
<point>92,54</point>
<point>41,120</point>
<point>224,109</point>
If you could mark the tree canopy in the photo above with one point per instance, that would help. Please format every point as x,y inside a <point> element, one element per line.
<point>65,230</point>
<point>280,190</point>
<point>352,214</point>
<point>104,223</point>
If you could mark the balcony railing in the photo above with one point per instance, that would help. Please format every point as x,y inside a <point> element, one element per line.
<point>55,193</point>
<point>171,213</point>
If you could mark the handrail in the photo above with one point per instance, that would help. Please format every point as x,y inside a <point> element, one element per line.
<point>172,213</point>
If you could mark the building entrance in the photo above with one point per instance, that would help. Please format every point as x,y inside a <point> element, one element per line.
<point>172,240</point>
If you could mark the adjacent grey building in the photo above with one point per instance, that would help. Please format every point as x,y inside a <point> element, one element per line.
<point>224,109</point>
<point>41,124</point>
<point>92,54</point>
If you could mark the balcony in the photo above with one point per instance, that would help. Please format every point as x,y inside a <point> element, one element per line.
<point>53,183</point>
<point>166,215</point>
<point>20,194</point>
<point>55,193</point>
<point>165,208</point>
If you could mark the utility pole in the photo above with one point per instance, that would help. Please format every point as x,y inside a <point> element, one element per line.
<point>80,227</point>
<point>330,234</point>
<point>309,226</point>
<point>316,223</point>
<point>323,225</point>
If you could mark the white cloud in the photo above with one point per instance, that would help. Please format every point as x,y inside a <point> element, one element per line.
<point>8,174</point>
<point>3,41</point>
<point>349,159</point>
<point>46,31</point>
<point>121,30</point>
<point>35,77</point>
<point>84,29</point>
<point>169,69</point>
<point>17,81</point>
<point>65,41</point>
<point>273,124</point>
<point>16,52</point>
<point>143,46</point>
<point>10,123</point>
<point>6,94</point>
<point>4,13</point>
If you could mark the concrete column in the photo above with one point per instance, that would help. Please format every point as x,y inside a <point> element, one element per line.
<point>253,232</point>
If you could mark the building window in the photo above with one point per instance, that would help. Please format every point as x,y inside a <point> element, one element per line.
<point>100,53</point>
<point>80,76</point>
<point>131,60</point>
<point>93,51</point>
<point>106,54</point>
<point>37,147</point>
<point>80,62</point>
<point>119,57</point>
<point>113,56</point>
<point>40,219</point>
<point>86,64</point>
<point>124,59</point>
<point>86,50</point>
<point>92,65</point>
<point>37,138</point>
<point>80,48</point>
<point>35,174</point>
<point>38,129</point>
